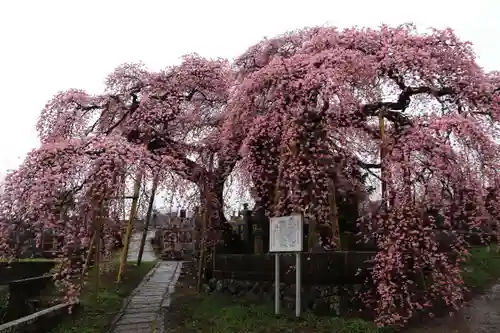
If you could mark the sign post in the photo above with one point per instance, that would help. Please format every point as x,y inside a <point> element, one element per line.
<point>286,235</point>
<point>298,284</point>
<point>276,283</point>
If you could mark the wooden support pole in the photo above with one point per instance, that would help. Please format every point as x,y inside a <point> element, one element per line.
<point>97,265</point>
<point>87,258</point>
<point>201,257</point>
<point>312,229</point>
<point>128,233</point>
<point>148,218</point>
<point>381,123</point>
<point>332,201</point>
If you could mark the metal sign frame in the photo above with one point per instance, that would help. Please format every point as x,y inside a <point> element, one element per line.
<point>293,234</point>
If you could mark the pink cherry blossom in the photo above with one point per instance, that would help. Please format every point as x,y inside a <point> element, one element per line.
<point>296,117</point>
<point>307,108</point>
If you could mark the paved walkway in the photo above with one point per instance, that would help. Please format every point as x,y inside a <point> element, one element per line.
<point>141,312</point>
<point>135,242</point>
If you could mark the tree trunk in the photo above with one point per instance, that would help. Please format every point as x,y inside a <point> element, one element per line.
<point>211,199</point>
<point>212,219</point>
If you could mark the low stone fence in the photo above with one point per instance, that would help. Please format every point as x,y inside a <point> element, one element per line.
<point>331,281</point>
<point>24,294</point>
<point>324,268</point>
<point>41,321</point>
<point>24,269</point>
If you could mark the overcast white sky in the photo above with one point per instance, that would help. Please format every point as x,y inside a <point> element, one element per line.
<point>50,45</point>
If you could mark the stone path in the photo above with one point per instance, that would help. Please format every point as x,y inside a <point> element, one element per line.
<point>141,312</point>
<point>135,242</point>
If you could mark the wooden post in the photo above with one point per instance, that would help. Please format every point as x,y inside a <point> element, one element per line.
<point>201,257</point>
<point>213,258</point>
<point>87,259</point>
<point>258,242</point>
<point>332,201</point>
<point>146,224</point>
<point>312,238</point>
<point>97,256</point>
<point>277,193</point>
<point>407,178</point>
<point>128,233</point>
<point>42,241</point>
<point>381,124</point>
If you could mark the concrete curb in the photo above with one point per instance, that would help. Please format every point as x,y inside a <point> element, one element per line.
<point>171,285</point>
<point>167,299</point>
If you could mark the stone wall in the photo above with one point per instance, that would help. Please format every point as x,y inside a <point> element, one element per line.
<point>320,299</point>
<point>333,283</point>
<point>24,296</point>
<point>326,268</point>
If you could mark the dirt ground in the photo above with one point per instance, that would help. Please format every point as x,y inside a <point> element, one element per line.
<point>482,315</point>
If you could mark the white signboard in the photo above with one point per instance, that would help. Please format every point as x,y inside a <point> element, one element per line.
<point>286,234</point>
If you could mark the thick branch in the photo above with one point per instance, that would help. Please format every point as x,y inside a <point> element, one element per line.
<point>389,108</point>
<point>132,109</point>
<point>187,168</point>
<point>369,165</point>
<point>226,165</point>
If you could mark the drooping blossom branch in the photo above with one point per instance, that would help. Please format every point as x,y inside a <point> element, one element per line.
<point>309,100</point>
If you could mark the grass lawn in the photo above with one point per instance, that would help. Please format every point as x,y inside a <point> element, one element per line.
<point>95,317</point>
<point>219,314</point>
<point>203,313</point>
<point>211,313</point>
<point>482,268</point>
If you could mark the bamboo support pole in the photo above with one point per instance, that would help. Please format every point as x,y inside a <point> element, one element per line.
<point>148,218</point>
<point>201,257</point>
<point>128,233</point>
<point>97,264</point>
<point>87,258</point>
